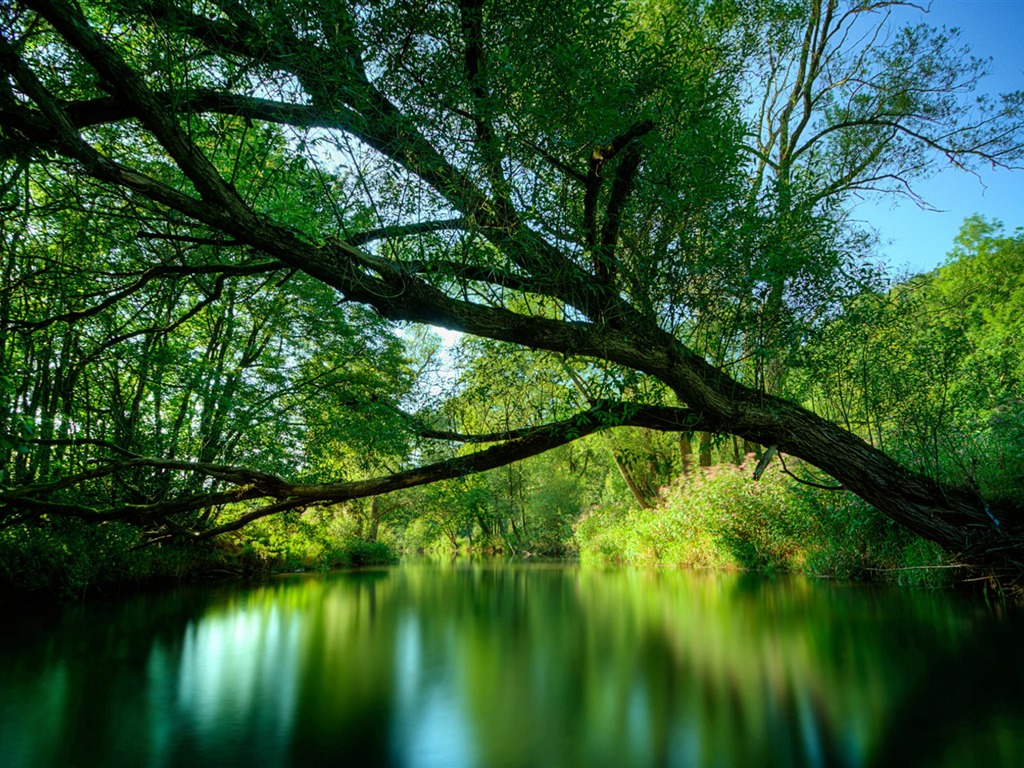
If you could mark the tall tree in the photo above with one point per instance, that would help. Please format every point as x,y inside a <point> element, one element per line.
<point>592,197</point>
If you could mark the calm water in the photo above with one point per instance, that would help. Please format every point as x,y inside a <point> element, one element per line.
<point>522,665</point>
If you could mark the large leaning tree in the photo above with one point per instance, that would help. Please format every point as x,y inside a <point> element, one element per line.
<point>652,191</point>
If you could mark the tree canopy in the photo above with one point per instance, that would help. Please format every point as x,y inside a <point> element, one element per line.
<point>221,219</point>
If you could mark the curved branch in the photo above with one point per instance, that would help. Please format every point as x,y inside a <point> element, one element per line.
<point>661,418</point>
<point>536,441</point>
<point>154,273</point>
<point>811,483</point>
<point>404,230</point>
<point>32,501</point>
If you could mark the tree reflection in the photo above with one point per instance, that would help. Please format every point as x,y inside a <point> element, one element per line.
<point>483,664</point>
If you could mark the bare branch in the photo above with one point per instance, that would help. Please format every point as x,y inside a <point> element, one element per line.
<point>811,483</point>
<point>554,162</point>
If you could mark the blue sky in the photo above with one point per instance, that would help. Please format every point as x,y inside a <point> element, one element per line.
<point>919,240</point>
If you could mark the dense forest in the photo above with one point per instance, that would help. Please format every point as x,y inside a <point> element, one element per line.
<point>232,233</point>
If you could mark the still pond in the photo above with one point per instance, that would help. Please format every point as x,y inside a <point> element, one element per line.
<point>496,664</point>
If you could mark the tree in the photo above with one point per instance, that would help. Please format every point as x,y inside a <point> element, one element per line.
<point>594,198</point>
<point>930,370</point>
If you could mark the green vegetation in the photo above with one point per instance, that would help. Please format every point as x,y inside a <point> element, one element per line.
<point>931,371</point>
<point>72,558</point>
<point>949,411</point>
<point>725,520</point>
<point>228,233</point>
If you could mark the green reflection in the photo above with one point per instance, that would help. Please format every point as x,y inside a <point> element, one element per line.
<point>485,664</point>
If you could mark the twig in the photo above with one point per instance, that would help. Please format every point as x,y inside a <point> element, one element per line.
<point>917,567</point>
<point>811,483</point>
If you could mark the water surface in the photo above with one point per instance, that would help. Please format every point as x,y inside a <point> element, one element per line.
<point>490,664</point>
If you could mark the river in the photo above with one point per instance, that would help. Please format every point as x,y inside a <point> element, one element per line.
<point>496,664</point>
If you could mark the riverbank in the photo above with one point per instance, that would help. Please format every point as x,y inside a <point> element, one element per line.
<point>721,519</point>
<point>81,560</point>
<point>717,519</point>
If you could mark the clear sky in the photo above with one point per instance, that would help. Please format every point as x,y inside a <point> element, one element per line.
<point>919,240</point>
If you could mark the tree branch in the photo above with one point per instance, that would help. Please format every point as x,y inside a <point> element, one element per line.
<point>475,61</point>
<point>404,230</point>
<point>69,21</point>
<point>605,266</point>
<point>661,418</point>
<point>811,483</point>
<point>154,273</point>
<point>30,501</point>
<point>623,180</point>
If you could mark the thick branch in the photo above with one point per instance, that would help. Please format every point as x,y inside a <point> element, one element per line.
<point>71,23</point>
<point>660,418</point>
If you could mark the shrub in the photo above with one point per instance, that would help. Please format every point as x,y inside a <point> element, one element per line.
<point>69,558</point>
<point>723,519</point>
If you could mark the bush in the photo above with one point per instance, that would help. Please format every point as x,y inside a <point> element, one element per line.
<point>420,534</point>
<point>317,539</point>
<point>723,519</point>
<point>66,558</point>
<point>69,558</point>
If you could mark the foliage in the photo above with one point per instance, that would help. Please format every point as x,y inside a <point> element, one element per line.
<point>724,519</point>
<point>217,216</point>
<point>71,559</point>
<point>524,509</point>
<point>932,370</point>
<point>314,540</point>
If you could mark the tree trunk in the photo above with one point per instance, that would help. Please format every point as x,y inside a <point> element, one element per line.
<point>685,452</point>
<point>980,533</point>
<point>705,449</point>
<point>634,487</point>
<point>374,519</point>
